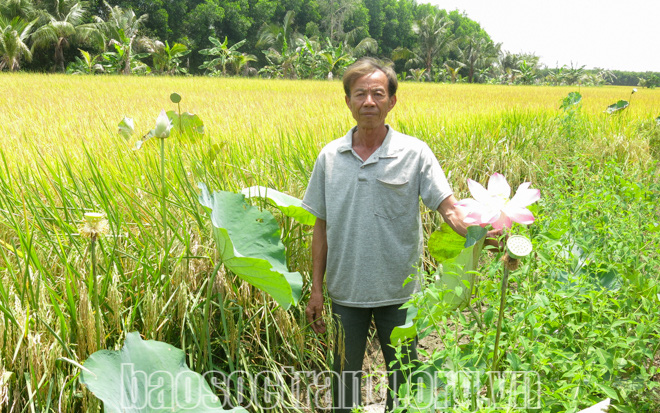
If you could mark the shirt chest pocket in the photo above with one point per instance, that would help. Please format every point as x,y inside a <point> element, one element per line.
<point>394,197</point>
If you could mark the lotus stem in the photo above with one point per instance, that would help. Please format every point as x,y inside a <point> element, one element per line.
<point>163,206</point>
<point>179,114</point>
<point>95,293</point>
<point>494,366</point>
<point>505,282</point>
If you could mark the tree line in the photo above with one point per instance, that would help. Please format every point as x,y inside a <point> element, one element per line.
<point>267,38</point>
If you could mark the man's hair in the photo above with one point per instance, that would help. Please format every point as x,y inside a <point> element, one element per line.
<point>366,66</point>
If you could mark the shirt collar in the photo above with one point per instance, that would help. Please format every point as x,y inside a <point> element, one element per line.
<point>388,149</point>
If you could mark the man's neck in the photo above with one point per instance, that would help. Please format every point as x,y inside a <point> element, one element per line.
<point>369,138</point>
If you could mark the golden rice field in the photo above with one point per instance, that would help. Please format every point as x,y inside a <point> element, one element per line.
<point>61,156</point>
<point>49,113</point>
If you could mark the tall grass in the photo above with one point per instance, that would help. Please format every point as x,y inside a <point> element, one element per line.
<point>61,157</point>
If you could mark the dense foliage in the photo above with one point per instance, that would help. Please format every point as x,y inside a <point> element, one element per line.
<point>291,39</point>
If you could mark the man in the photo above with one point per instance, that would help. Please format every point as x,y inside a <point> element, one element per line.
<point>365,191</point>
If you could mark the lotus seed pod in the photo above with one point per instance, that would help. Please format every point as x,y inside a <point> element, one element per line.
<point>518,246</point>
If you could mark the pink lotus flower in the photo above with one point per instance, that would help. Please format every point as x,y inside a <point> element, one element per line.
<point>494,205</point>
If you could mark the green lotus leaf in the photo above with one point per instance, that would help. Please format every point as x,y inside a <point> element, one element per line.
<point>250,246</point>
<point>188,127</point>
<point>287,204</point>
<point>175,97</point>
<point>148,377</point>
<point>474,234</point>
<point>455,277</point>
<point>126,128</point>
<point>445,243</point>
<point>459,272</point>
<point>572,99</point>
<point>616,107</point>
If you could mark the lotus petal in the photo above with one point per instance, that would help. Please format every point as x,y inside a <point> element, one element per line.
<point>520,215</point>
<point>479,193</point>
<point>494,207</point>
<point>497,185</point>
<point>524,196</point>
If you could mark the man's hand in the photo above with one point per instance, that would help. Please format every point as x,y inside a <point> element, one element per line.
<point>455,217</point>
<point>314,310</point>
<point>314,313</point>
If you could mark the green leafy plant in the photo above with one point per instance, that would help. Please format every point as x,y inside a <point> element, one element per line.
<point>617,107</point>
<point>249,244</point>
<point>225,56</point>
<point>167,59</point>
<point>621,104</point>
<point>88,65</point>
<point>148,377</point>
<point>453,282</point>
<point>287,204</point>
<point>189,127</point>
<point>571,107</point>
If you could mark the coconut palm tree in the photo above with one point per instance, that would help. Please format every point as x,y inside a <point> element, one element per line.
<point>366,47</point>
<point>279,37</point>
<point>62,24</point>
<point>17,8</point>
<point>14,34</point>
<point>508,64</point>
<point>122,30</point>
<point>434,40</point>
<point>478,53</point>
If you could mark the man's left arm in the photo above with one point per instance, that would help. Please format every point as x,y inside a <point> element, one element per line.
<point>453,215</point>
<point>434,185</point>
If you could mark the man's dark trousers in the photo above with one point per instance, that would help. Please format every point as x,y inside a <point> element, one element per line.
<point>355,323</point>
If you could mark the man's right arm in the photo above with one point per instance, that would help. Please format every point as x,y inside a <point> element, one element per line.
<point>314,308</point>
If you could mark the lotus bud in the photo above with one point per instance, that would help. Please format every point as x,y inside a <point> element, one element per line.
<point>93,218</point>
<point>634,90</point>
<point>94,225</point>
<point>163,126</point>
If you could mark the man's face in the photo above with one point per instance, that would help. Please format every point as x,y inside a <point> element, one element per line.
<point>370,101</point>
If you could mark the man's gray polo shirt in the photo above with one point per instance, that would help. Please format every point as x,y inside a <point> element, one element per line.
<point>371,210</point>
